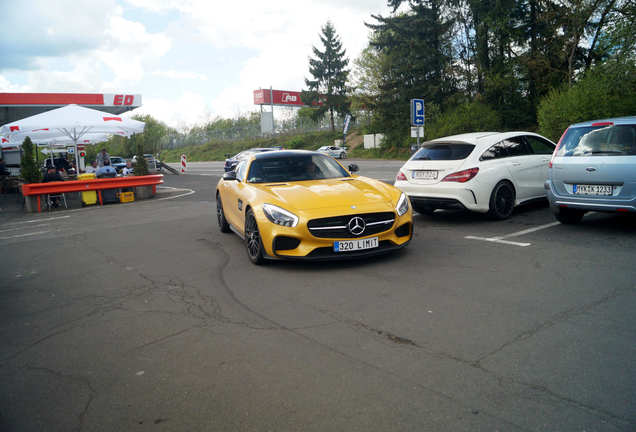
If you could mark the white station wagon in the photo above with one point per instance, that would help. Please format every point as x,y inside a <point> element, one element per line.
<point>487,172</point>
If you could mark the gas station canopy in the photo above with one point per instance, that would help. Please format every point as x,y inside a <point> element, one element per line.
<point>16,106</point>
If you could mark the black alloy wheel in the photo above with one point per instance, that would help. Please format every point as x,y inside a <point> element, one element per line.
<point>253,243</point>
<point>502,200</point>
<point>569,216</point>
<point>224,226</point>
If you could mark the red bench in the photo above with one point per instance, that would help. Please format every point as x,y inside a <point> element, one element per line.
<point>39,189</point>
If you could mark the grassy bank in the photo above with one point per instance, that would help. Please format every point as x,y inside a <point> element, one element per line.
<point>216,150</point>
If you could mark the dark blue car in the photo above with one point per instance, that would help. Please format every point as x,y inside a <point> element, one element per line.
<point>232,162</point>
<point>117,162</point>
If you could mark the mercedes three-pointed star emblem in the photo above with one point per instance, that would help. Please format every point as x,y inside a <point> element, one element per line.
<point>356,225</point>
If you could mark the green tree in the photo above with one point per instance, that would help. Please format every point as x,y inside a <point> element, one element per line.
<point>414,52</point>
<point>605,91</point>
<point>327,90</point>
<point>28,168</point>
<point>141,167</point>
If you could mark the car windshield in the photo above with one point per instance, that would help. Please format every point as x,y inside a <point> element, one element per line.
<point>443,151</point>
<point>294,168</point>
<point>116,160</point>
<point>613,140</point>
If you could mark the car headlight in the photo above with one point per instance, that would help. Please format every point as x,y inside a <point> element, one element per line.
<point>402,204</point>
<point>280,216</point>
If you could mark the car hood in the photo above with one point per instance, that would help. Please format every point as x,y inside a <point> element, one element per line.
<point>361,192</point>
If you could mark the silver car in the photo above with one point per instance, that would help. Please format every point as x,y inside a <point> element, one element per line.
<point>334,151</point>
<point>593,168</point>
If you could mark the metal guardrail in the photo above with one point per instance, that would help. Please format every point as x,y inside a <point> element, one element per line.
<point>98,185</point>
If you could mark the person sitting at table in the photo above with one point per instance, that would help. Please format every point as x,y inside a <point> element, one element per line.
<point>106,170</point>
<point>3,168</point>
<point>52,175</point>
<point>92,167</point>
<point>128,171</point>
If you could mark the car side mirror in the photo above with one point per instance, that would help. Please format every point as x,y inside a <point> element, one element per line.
<point>353,168</point>
<point>230,176</point>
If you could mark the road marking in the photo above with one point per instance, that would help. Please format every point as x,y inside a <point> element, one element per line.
<point>530,230</point>
<point>23,235</point>
<point>190,192</point>
<point>38,220</point>
<point>17,228</point>
<point>500,239</point>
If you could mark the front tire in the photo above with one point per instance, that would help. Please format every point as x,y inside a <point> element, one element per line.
<point>502,201</point>
<point>253,242</point>
<point>569,216</point>
<point>224,226</point>
<point>343,155</point>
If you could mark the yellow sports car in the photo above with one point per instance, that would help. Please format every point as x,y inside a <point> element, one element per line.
<point>305,205</point>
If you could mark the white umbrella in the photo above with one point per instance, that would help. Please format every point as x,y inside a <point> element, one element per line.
<point>71,121</point>
<point>61,142</point>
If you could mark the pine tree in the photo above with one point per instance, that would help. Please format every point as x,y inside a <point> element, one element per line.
<point>28,168</point>
<point>329,84</point>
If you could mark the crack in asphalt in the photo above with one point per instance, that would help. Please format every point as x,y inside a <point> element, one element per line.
<point>75,378</point>
<point>554,320</point>
<point>596,411</point>
<point>349,357</point>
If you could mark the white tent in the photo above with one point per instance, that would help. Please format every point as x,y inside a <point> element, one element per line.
<point>71,121</point>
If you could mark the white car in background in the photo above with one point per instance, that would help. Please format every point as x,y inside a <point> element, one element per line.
<point>487,172</point>
<point>334,151</point>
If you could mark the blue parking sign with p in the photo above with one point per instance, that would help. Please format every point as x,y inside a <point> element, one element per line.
<point>417,112</point>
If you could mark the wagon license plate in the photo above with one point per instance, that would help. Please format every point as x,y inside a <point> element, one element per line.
<point>353,245</point>
<point>425,175</point>
<point>582,189</point>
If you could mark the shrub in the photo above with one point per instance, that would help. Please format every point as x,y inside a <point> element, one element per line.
<point>28,168</point>
<point>605,91</point>
<point>467,117</point>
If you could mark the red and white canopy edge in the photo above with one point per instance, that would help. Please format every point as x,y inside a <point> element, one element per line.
<point>71,121</point>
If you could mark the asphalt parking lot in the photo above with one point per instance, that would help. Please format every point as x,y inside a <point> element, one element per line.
<point>144,316</point>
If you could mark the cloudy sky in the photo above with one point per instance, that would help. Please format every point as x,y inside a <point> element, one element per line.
<point>191,60</point>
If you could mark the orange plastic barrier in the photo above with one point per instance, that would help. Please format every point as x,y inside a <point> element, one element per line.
<point>91,184</point>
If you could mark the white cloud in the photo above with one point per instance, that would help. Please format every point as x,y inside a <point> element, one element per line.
<point>174,74</point>
<point>190,108</point>
<point>91,47</point>
<point>281,34</point>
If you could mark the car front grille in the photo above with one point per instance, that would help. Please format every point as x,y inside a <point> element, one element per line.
<point>338,226</point>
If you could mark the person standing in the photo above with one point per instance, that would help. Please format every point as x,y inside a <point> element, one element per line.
<point>102,157</point>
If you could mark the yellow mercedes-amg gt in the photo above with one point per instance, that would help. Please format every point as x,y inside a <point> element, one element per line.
<point>302,204</point>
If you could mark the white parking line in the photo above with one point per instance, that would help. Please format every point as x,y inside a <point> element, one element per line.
<point>18,228</point>
<point>530,230</point>
<point>190,192</point>
<point>500,239</point>
<point>23,235</point>
<point>38,220</point>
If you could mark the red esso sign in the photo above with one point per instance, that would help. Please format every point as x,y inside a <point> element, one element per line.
<point>121,99</point>
<point>289,98</point>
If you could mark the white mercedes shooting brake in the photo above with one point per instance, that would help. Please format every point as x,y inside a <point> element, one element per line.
<point>487,172</point>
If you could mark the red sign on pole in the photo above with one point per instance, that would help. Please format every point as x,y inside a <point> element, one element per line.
<point>280,97</point>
